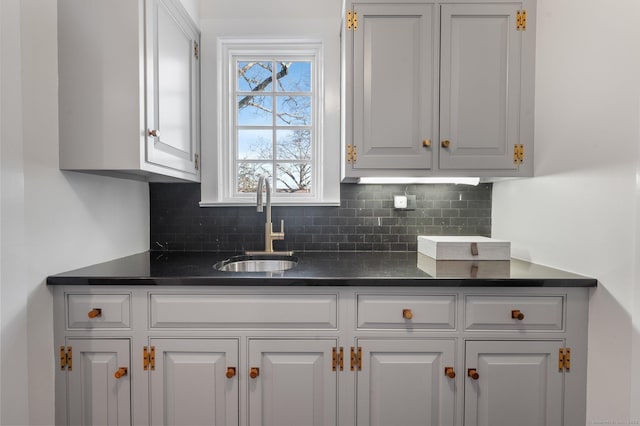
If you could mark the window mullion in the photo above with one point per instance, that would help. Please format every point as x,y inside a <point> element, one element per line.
<point>274,178</point>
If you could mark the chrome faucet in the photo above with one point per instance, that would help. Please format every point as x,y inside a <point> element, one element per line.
<point>269,235</point>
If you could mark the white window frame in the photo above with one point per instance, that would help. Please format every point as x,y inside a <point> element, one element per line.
<point>228,51</point>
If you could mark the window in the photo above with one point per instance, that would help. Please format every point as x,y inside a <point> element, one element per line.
<point>271,121</point>
<point>274,127</point>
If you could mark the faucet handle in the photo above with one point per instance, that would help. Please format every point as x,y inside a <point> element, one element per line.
<point>278,235</point>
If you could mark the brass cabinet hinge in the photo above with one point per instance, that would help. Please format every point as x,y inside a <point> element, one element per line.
<point>196,161</point>
<point>352,154</point>
<point>518,153</point>
<point>352,20</point>
<point>66,358</point>
<point>338,358</point>
<point>149,358</point>
<point>564,359</point>
<point>521,20</point>
<point>196,50</point>
<point>356,358</point>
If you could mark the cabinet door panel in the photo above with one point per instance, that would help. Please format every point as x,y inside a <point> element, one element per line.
<point>393,86</point>
<point>189,384</point>
<point>402,382</point>
<point>296,385</point>
<point>96,396</point>
<point>519,383</point>
<point>480,86</point>
<point>171,88</point>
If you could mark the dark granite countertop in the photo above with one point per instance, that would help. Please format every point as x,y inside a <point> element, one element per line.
<point>404,269</point>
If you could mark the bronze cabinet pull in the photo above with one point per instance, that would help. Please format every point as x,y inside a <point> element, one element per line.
<point>450,372</point>
<point>473,373</point>
<point>516,314</point>
<point>122,371</point>
<point>231,372</point>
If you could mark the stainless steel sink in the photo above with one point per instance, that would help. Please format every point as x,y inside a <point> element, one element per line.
<point>257,263</point>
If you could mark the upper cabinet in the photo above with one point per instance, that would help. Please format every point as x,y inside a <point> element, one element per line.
<point>393,70</point>
<point>129,89</point>
<point>439,89</point>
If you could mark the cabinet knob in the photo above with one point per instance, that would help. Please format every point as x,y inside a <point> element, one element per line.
<point>94,313</point>
<point>122,371</point>
<point>516,314</point>
<point>473,373</point>
<point>154,133</point>
<point>254,372</point>
<point>450,372</point>
<point>231,372</point>
<point>407,314</point>
<point>426,143</point>
<point>445,143</point>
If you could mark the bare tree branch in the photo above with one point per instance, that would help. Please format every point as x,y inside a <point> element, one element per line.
<point>242,103</point>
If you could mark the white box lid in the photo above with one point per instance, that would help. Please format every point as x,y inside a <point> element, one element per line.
<point>459,247</point>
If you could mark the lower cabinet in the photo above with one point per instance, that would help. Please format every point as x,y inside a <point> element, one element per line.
<point>98,381</point>
<point>513,383</point>
<point>292,382</point>
<point>193,381</point>
<point>323,356</point>
<point>406,382</point>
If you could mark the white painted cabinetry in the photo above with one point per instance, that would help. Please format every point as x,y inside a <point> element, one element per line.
<point>129,89</point>
<point>402,382</point>
<point>393,66</point>
<point>98,381</point>
<point>292,382</point>
<point>513,382</point>
<point>320,355</point>
<point>193,381</point>
<point>439,88</point>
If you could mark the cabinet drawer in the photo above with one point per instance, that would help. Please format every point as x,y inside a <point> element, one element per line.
<point>404,312</point>
<point>98,311</point>
<point>318,311</point>
<point>514,313</point>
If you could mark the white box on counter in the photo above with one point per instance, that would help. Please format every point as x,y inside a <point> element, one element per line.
<point>464,247</point>
<point>464,268</point>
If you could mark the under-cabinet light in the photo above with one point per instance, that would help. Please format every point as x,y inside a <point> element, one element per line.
<point>411,180</point>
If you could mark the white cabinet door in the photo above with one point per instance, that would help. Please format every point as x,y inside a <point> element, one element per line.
<point>518,383</point>
<point>190,384</point>
<point>294,384</point>
<point>403,382</point>
<point>95,395</point>
<point>393,87</point>
<point>480,86</point>
<point>172,88</point>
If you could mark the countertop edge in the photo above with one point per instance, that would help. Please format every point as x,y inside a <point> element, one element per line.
<point>317,269</point>
<point>321,282</point>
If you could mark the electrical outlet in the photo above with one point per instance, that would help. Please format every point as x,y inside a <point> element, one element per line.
<point>404,202</point>
<point>400,201</point>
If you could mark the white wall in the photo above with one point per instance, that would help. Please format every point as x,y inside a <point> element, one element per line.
<point>580,212</point>
<point>51,221</point>
<point>635,370</point>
